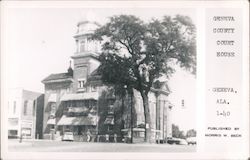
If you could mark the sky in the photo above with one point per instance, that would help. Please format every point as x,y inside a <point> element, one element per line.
<point>39,41</point>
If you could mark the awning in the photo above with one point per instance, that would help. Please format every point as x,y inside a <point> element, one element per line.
<point>13,123</point>
<point>77,121</point>
<point>80,96</point>
<point>51,121</point>
<point>134,129</point>
<point>125,130</point>
<point>109,120</point>
<point>52,98</point>
<point>156,130</point>
<point>78,109</point>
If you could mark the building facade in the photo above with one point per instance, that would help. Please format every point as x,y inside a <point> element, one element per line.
<point>25,114</point>
<point>78,101</point>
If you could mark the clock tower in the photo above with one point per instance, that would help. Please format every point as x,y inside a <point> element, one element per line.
<point>85,57</point>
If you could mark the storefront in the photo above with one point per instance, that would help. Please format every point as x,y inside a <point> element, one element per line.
<point>27,129</point>
<point>13,127</point>
<point>79,116</point>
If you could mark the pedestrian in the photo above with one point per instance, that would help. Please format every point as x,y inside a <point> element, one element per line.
<point>157,138</point>
<point>115,138</point>
<point>82,136</point>
<point>88,136</point>
<point>21,138</point>
<point>98,138</point>
<point>107,138</point>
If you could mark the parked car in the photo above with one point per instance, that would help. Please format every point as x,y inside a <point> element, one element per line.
<point>191,140</point>
<point>182,142</point>
<point>178,141</point>
<point>68,136</point>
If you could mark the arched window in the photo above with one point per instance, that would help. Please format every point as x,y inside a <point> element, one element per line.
<point>82,46</point>
<point>25,107</point>
<point>14,107</point>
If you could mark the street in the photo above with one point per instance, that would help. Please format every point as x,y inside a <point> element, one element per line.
<point>59,146</point>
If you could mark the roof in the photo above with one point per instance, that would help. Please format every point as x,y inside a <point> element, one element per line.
<point>95,73</point>
<point>23,93</point>
<point>30,94</point>
<point>51,121</point>
<point>57,76</point>
<point>86,54</point>
<point>161,86</point>
<point>77,121</point>
<point>88,22</point>
<point>94,76</point>
<point>80,96</point>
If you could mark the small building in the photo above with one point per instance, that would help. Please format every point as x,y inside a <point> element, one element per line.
<point>78,101</point>
<point>25,114</point>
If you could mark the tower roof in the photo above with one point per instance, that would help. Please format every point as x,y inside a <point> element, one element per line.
<point>87,27</point>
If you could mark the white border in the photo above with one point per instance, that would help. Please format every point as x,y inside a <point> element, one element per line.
<point>200,6</point>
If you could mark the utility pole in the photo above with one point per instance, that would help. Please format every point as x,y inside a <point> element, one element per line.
<point>163,120</point>
<point>97,123</point>
<point>130,91</point>
<point>131,111</point>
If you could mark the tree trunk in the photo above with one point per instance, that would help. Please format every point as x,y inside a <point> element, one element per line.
<point>131,115</point>
<point>147,118</point>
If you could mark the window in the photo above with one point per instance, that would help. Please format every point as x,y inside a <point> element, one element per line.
<point>25,107</point>
<point>81,84</point>
<point>12,132</point>
<point>111,109</point>
<point>82,46</point>
<point>53,110</point>
<point>14,107</point>
<point>93,88</point>
<point>34,108</point>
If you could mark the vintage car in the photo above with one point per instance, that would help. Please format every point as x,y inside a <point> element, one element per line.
<point>191,140</point>
<point>178,141</point>
<point>68,136</point>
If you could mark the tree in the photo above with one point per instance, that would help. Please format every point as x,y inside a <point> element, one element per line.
<point>135,54</point>
<point>191,133</point>
<point>176,132</point>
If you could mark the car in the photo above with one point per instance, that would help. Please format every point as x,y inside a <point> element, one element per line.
<point>182,142</point>
<point>171,140</point>
<point>191,140</point>
<point>68,136</point>
<point>178,141</point>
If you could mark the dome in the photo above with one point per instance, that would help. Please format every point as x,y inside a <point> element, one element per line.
<point>87,27</point>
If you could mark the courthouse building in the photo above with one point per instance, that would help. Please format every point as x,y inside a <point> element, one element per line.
<point>25,113</point>
<point>78,101</point>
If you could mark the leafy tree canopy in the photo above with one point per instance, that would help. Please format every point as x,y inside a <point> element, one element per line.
<point>176,132</point>
<point>136,53</point>
<point>191,133</point>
